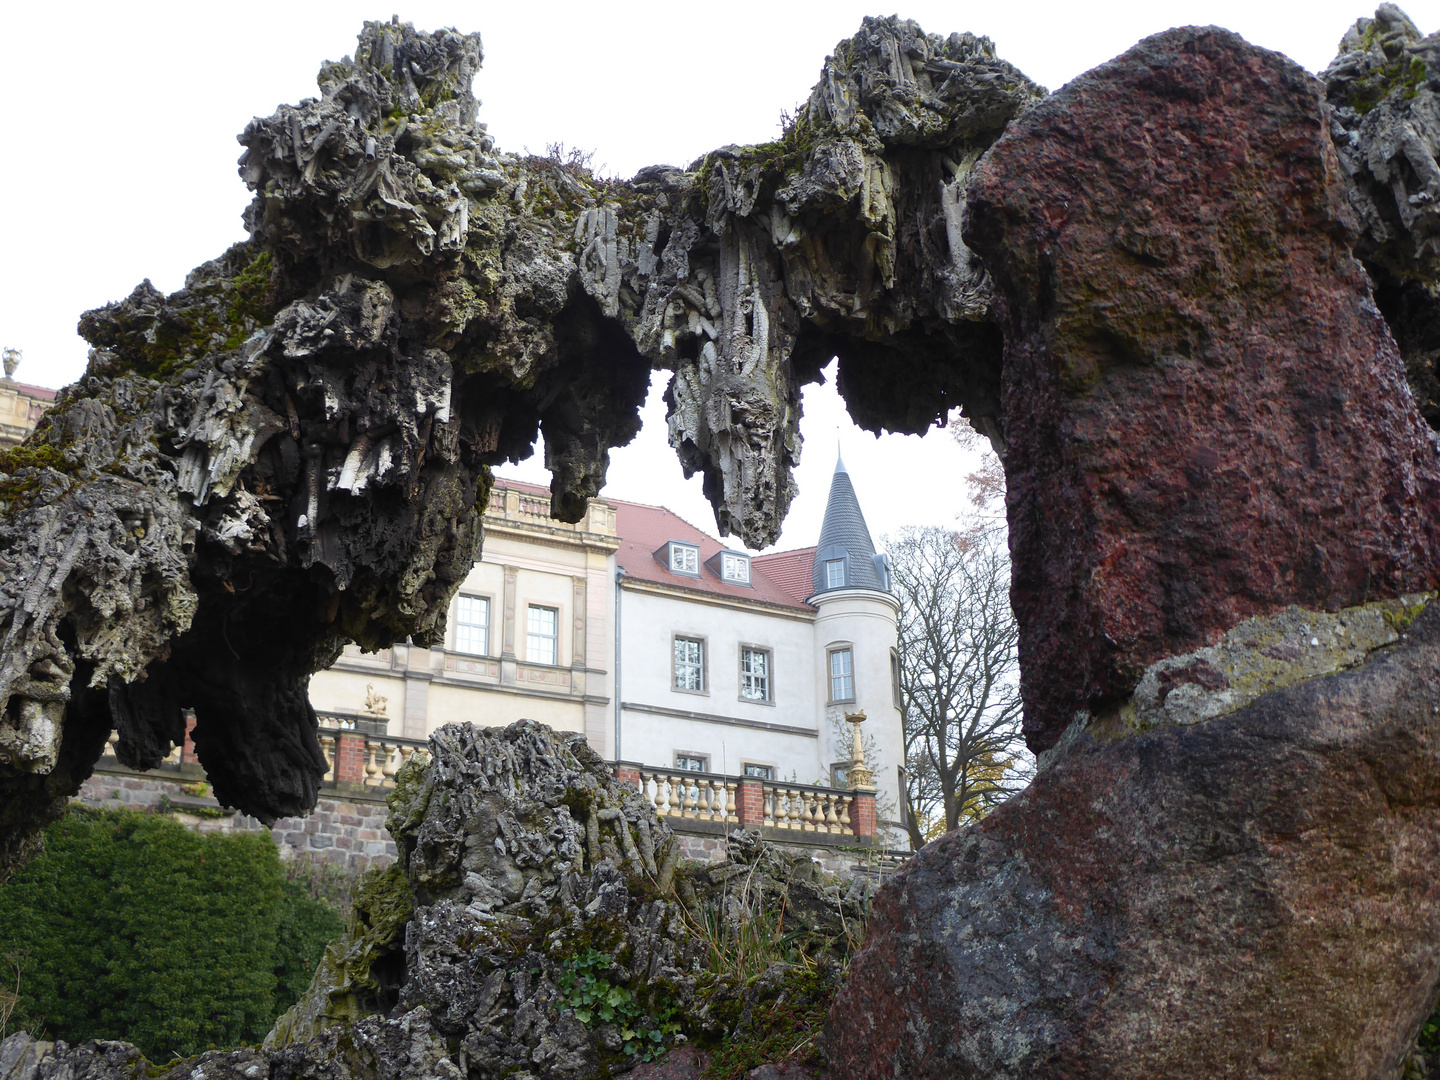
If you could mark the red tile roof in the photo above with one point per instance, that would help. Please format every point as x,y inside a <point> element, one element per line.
<point>782,579</point>
<point>793,571</point>
<point>645,529</point>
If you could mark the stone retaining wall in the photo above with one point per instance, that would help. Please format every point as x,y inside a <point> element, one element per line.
<point>347,828</point>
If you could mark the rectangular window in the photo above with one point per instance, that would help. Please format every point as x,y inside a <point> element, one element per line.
<point>840,775</point>
<point>472,625</point>
<point>895,679</point>
<point>689,664</point>
<point>842,675</point>
<point>735,568</point>
<point>835,573</point>
<point>754,674</point>
<point>760,772</point>
<point>685,559</point>
<point>542,626</point>
<point>691,762</point>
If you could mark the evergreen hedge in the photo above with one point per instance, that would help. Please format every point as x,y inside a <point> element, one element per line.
<point>130,926</point>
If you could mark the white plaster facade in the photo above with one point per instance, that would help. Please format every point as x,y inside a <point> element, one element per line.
<point>796,731</point>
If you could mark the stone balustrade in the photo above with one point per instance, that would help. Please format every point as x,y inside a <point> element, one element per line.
<point>698,801</point>
<point>355,757</point>
<point>690,802</point>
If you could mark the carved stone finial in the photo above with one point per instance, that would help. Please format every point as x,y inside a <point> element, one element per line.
<point>11,359</point>
<point>859,777</point>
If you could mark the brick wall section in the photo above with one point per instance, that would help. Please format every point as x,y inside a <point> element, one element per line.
<point>350,758</point>
<point>862,815</point>
<point>187,752</point>
<point>750,804</point>
<point>628,774</point>
<point>343,830</point>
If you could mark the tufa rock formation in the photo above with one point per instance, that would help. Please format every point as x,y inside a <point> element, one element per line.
<point>1383,90</point>
<point>1225,865</point>
<point>537,924</point>
<point>289,453</point>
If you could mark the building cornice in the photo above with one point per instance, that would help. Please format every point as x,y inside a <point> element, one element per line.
<point>715,718</point>
<point>889,599</point>
<point>697,596</point>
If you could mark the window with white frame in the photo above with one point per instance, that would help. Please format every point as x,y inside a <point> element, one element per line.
<point>472,625</point>
<point>754,673</point>
<point>835,573</point>
<point>842,675</point>
<point>690,664</point>
<point>691,762</point>
<point>685,558</point>
<point>735,568</point>
<point>542,631</point>
<point>760,772</point>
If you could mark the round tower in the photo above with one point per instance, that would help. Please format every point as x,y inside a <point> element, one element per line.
<point>855,643</point>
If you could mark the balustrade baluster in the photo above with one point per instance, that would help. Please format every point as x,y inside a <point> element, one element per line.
<point>372,767</point>
<point>730,814</point>
<point>797,810</point>
<point>845,801</point>
<point>807,811</point>
<point>388,764</point>
<point>832,819</point>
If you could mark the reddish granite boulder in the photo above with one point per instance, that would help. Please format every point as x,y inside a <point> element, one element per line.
<point>1251,896</point>
<point>1206,416</point>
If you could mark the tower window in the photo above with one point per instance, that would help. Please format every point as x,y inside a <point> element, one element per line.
<point>842,675</point>
<point>835,573</point>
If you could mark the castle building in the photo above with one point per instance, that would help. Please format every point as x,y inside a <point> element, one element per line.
<point>664,647</point>
<point>21,405</point>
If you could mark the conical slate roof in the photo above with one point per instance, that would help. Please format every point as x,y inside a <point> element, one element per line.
<point>844,536</point>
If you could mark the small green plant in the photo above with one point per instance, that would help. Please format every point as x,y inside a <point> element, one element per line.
<point>594,999</point>
<point>1429,1041</point>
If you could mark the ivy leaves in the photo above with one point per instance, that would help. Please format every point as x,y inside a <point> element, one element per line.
<point>588,992</point>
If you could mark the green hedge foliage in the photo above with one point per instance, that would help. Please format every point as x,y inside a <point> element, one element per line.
<point>132,927</point>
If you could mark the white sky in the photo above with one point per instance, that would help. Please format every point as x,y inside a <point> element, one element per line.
<point>118,159</point>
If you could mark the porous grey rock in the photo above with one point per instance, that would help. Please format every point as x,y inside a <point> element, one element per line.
<point>1383,90</point>
<point>521,853</point>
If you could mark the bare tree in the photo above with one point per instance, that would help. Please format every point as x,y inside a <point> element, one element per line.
<point>958,675</point>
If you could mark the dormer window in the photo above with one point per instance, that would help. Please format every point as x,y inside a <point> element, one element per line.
<point>834,573</point>
<point>684,558</point>
<point>735,568</point>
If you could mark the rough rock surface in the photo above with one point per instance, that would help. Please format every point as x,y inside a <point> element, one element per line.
<point>288,453</point>
<point>524,869</point>
<point>1206,416</point>
<point>1383,91</point>
<point>1250,896</point>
